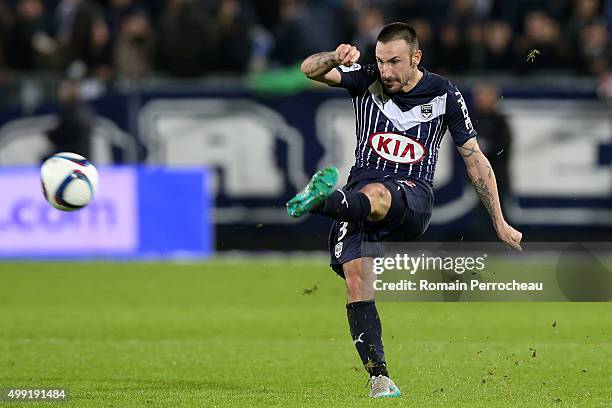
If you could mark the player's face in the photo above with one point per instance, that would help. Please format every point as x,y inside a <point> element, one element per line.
<point>397,64</point>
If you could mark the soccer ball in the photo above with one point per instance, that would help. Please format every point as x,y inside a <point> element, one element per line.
<point>69,181</point>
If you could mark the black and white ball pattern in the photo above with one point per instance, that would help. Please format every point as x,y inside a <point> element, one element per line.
<point>69,181</point>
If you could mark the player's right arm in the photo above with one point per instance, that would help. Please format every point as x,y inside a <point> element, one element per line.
<point>321,66</point>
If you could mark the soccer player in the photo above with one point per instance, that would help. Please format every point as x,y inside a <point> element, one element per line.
<point>401,111</point>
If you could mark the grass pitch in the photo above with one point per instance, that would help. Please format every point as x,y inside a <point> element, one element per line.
<point>260,333</point>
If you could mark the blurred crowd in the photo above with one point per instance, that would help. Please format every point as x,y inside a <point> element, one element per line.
<point>133,39</point>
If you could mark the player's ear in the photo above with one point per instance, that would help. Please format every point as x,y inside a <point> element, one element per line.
<point>416,57</point>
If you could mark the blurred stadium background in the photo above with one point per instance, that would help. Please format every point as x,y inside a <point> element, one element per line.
<point>202,126</point>
<point>211,90</point>
<point>215,84</point>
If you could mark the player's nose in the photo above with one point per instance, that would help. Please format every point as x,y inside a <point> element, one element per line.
<point>386,74</point>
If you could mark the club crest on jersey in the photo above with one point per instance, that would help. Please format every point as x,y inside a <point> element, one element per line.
<point>397,148</point>
<point>427,110</point>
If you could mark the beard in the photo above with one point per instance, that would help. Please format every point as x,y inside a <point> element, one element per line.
<point>393,85</point>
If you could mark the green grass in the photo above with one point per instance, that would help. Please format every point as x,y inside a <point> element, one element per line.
<point>244,334</point>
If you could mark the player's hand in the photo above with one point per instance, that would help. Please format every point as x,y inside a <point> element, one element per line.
<point>510,236</point>
<point>346,55</point>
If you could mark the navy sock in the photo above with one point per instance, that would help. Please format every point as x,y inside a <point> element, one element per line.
<point>345,206</point>
<point>366,331</point>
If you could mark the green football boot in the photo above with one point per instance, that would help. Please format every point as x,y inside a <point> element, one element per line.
<point>321,185</point>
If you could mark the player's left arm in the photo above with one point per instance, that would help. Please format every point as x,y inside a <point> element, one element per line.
<point>483,178</point>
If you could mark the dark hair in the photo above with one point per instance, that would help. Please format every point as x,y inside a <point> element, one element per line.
<point>394,31</point>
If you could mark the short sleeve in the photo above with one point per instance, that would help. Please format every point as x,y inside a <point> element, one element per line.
<point>357,78</point>
<point>459,121</point>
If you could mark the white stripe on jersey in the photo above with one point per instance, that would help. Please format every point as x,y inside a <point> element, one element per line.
<point>364,108</point>
<point>370,150</point>
<point>427,147</point>
<point>432,144</point>
<point>437,143</point>
<point>357,130</point>
<point>440,137</point>
<point>355,111</point>
<point>368,133</point>
<point>418,138</point>
<point>386,127</point>
<point>386,130</point>
<point>358,119</point>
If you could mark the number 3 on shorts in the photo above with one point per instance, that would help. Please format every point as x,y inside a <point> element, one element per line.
<point>342,231</point>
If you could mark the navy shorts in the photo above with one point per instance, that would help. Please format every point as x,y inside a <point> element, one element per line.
<point>346,238</point>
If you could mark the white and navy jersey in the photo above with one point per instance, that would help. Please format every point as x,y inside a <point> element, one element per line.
<point>400,134</point>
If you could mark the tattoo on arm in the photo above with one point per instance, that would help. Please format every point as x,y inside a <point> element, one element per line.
<point>468,150</point>
<point>481,175</point>
<point>485,195</point>
<point>319,64</point>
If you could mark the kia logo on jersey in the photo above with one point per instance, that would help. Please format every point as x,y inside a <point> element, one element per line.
<point>397,148</point>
